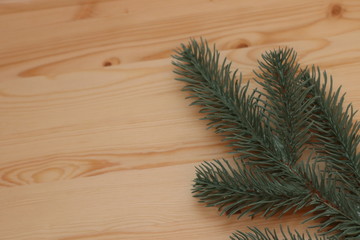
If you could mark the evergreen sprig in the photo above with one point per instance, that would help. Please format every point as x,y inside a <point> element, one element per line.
<point>269,130</point>
<point>237,189</point>
<point>335,132</point>
<point>267,234</point>
<point>286,91</point>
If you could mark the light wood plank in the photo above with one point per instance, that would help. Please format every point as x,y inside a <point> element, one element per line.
<point>96,139</point>
<point>130,205</point>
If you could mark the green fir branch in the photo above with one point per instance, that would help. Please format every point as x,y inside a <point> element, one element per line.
<point>286,101</point>
<point>239,190</point>
<point>335,132</point>
<point>267,234</point>
<point>338,215</point>
<point>270,129</point>
<point>229,108</point>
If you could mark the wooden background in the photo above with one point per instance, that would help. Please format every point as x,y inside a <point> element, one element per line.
<point>96,139</point>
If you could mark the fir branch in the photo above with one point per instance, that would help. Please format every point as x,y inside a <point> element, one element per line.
<point>271,135</point>
<point>286,101</point>
<point>229,108</point>
<point>289,109</point>
<point>267,234</point>
<point>338,215</point>
<point>336,135</point>
<point>247,191</point>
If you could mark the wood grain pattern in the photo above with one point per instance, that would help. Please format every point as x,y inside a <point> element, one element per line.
<point>97,141</point>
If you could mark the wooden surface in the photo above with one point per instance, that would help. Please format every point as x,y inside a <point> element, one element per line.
<point>97,141</point>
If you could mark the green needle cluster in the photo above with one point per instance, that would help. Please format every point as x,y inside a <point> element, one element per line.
<point>271,129</point>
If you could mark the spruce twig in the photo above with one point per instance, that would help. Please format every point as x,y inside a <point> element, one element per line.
<point>267,234</point>
<point>269,130</point>
<point>335,133</point>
